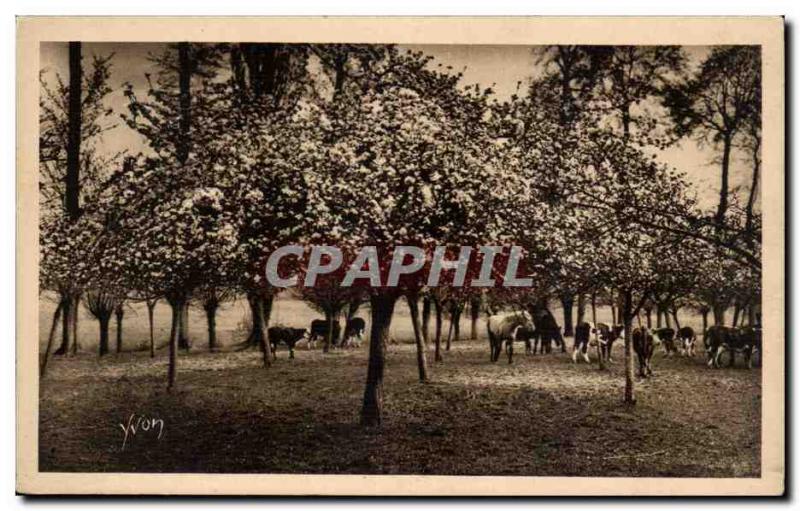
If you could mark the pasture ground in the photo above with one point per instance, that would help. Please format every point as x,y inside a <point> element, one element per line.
<point>540,416</point>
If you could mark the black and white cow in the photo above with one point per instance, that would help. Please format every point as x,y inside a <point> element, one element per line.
<point>720,339</point>
<point>319,330</point>
<point>583,333</point>
<point>644,346</point>
<point>687,340</point>
<point>751,336</point>
<point>284,335</point>
<point>502,327</point>
<point>354,332</point>
<point>607,335</point>
<point>666,338</point>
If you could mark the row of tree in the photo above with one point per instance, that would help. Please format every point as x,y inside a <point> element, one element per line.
<point>256,146</point>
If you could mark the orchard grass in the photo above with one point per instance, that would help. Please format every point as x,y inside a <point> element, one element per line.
<point>541,416</point>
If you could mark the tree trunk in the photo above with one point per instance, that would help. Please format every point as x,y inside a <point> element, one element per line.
<point>664,311</point>
<point>704,312</point>
<point>581,310</point>
<point>265,68</point>
<point>438,333</point>
<point>449,333</point>
<point>422,363</point>
<point>751,199</point>
<point>675,318</point>
<point>474,316</point>
<point>382,308</point>
<point>659,316</point>
<point>66,299</point>
<point>387,334</point>
<point>625,111</point>
<point>104,320</point>
<point>53,325</point>
<point>259,331</point>
<point>737,309</point>
<point>719,314</point>
<point>185,102</point>
<point>649,315</point>
<point>613,309</point>
<point>456,322</point>
<point>72,181</point>
<point>627,316</point>
<point>184,342</point>
<point>76,304</point>
<point>340,63</point>
<point>118,314</point>
<point>151,305</point>
<point>177,307</point>
<point>723,188</point>
<point>352,308</point>
<point>567,303</point>
<point>211,322</point>
<point>426,320</point>
<point>326,346</point>
<point>751,314</point>
<point>601,363</point>
<point>267,303</point>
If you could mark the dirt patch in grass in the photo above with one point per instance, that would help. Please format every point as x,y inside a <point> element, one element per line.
<point>541,415</point>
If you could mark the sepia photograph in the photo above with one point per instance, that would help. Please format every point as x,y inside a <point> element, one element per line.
<point>341,257</point>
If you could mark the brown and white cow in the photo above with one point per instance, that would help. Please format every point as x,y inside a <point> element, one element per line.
<point>720,339</point>
<point>607,335</point>
<point>354,333</point>
<point>666,338</point>
<point>687,340</point>
<point>644,346</point>
<point>583,333</point>
<point>503,327</point>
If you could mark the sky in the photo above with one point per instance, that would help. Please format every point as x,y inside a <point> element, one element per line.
<point>501,67</point>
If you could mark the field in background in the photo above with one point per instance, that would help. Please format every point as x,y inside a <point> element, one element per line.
<point>542,415</point>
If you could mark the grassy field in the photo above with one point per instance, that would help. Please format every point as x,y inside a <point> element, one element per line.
<point>540,416</point>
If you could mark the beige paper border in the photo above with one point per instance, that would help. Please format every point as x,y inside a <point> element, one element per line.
<point>767,32</point>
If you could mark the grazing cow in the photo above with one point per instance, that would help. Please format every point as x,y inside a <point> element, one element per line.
<point>644,346</point>
<point>354,332</point>
<point>750,339</point>
<point>666,338</point>
<point>687,340</point>
<point>583,332</point>
<point>526,334</point>
<point>608,334</point>
<point>715,338</point>
<point>502,327</point>
<point>548,330</point>
<point>285,335</point>
<point>319,330</point>
<point>718,339</point>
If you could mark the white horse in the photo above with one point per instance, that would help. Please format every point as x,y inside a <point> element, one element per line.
<point>502,327</point>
